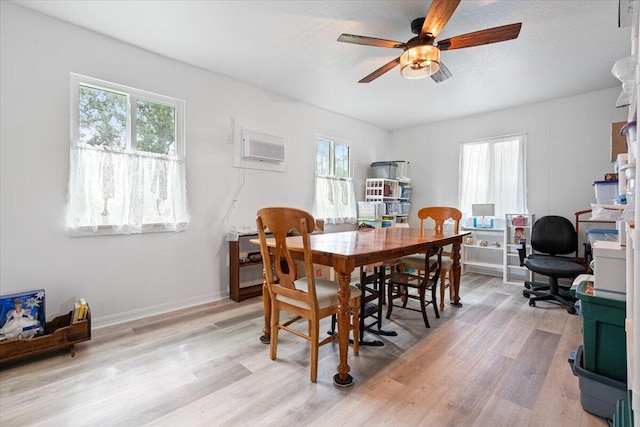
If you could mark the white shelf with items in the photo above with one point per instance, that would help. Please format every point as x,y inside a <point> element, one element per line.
<point>493,251</point>
<point>394,194</point>
<point>380,189</point>
<point>632,320</point>
<point>517,226</point>
<point>482,251</point>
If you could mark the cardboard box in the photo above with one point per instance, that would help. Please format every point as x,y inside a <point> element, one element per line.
<point>618,143</point>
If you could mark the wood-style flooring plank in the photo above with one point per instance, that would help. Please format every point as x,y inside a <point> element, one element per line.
<point>495,361</point>
<point>529,369</point>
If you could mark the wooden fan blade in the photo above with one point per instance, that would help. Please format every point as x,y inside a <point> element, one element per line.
<point>380,71</point>
<point>370,41</point>
<point>442,74</point>
<point>477,38</point>
<point>437,17</point>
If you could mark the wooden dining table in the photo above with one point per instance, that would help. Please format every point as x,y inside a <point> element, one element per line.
<point>344,251</point>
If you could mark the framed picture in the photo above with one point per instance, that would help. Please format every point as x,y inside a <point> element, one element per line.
<point>22,315</point>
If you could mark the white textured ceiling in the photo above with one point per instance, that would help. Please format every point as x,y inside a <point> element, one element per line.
<point>290,47</point>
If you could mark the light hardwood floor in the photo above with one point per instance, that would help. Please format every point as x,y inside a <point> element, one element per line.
<point>494,362</point>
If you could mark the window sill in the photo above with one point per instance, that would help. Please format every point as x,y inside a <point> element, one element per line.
<point>108,230</point>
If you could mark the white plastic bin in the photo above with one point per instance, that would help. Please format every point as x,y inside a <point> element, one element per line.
<point>405,208</point>
<point>610,270</point>
<point>606,191</point>
<point>629,130</point>
<point>370,210</point>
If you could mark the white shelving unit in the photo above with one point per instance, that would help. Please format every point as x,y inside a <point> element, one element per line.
<point>516,226</point>
<point>632,318</point>
<point>493,251</point>
<point>632,321</point>
<point>393,193</point>
<point>480,258</point>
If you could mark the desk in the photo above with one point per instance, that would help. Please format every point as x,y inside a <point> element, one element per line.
<point>347,250</point>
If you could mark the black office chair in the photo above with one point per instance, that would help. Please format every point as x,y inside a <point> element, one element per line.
<point>551,237</point>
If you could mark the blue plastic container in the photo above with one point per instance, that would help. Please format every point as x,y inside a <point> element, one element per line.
<point>596,234</point>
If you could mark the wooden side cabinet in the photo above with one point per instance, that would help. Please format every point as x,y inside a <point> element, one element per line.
<point>245,268</point>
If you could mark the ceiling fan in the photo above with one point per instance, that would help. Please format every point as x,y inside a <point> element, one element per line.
<point>421,56</point>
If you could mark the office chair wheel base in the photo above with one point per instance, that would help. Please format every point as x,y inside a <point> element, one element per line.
<point>527,285</point>
<point>525,294</point>
<point>571,310</point>
<point>532,303</point>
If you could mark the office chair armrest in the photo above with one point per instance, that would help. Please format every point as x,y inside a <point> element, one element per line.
<point>522,250</point>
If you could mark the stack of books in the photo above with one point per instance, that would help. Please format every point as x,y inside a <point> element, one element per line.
<point>80,311</point>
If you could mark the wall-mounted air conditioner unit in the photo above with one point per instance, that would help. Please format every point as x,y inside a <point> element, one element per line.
<point>261,147</point>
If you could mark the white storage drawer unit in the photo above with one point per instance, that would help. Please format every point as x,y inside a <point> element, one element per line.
<point>610,270</point>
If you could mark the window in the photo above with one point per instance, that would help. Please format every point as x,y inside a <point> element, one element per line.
<point>127,170</point>
<point>334,194</point>
<point>493,171</point>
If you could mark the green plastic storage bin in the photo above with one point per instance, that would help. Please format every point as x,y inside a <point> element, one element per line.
<point>623,417</point>
<point>605,346</point>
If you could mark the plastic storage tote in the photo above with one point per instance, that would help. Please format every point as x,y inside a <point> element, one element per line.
<point>385,170</point>
<point>623,417</point>
<point>596,234</point>
<point>605,346</point>
<point>599,395</point>
<point>606,191</point>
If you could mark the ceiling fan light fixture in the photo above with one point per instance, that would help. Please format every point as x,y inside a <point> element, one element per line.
<point>420,61</point>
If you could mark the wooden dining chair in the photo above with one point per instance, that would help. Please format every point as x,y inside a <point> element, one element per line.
<point>307,297</point>
<point>439,214</point>
<point>400,283</point>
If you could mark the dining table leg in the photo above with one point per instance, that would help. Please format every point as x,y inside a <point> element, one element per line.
<point>455,254</point>
<point>342,378</point>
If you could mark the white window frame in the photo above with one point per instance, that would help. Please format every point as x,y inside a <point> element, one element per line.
<point>486,192</point>
<point>332,156</point>
<point>340,186</point>
<point>134,95</point>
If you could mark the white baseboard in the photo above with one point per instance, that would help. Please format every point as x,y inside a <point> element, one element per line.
<point>115,319</point>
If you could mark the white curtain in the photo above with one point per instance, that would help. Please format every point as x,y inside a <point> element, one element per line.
<point>130,192</point>
<point>335,201</point>
<point>493,171</point>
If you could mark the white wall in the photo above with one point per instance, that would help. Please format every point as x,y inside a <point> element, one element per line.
<point>123,277</point>
<point>567,149</point>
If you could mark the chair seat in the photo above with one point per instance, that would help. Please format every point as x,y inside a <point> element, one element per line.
<point>326,291</point>
<point>558,257</point>
<point>555,267</point>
